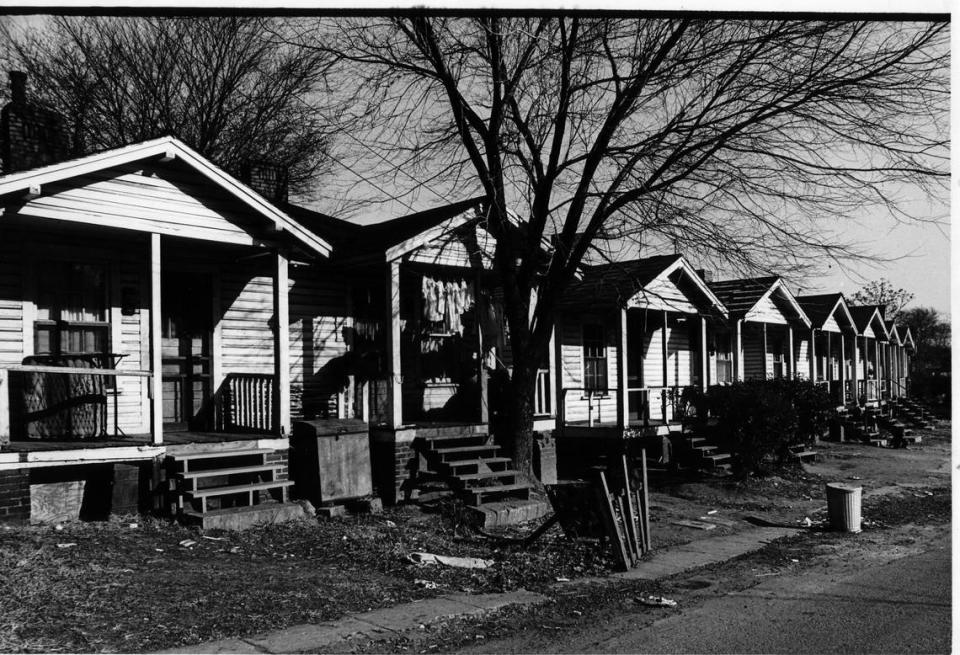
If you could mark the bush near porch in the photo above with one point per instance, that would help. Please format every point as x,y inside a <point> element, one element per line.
<point>758,421</point>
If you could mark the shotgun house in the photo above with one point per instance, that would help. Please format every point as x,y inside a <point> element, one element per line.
<point>765,320</point>
<point>426,331</point>
<point>902,357</point>
<point>144,337</point>
<point>830,342</point>
<point>869,367</point>
<point>631,337</point>
<point>895,372</point>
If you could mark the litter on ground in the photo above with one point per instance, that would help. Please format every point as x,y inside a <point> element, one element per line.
<point>655,601</point>
<point>445,560</point>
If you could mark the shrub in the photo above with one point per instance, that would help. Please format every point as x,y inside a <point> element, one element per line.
<point>758,421</point>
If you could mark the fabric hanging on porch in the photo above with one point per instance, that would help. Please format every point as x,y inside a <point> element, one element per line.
<point>445,301</point>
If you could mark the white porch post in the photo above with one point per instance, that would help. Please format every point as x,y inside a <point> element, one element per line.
<point>763,346</point>
<point>854,377</point>
<point>4,406</point>
<point>704,360</point>
<point>738,349</point>
<point>791,372</point>
<point>156,362</point>
<point>281,344</point>
<point>813,355</point>
<point>666,368</point>
<point>482,378</point>
<point>623,396</point>
<point>394,389</point>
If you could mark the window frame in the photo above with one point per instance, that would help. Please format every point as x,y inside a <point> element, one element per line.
<point>58,326</point>
<point>595,364</point>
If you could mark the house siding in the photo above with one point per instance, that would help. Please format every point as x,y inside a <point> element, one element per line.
<point>571,351</point>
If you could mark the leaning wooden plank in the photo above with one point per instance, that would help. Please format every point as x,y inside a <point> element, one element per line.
<point>624,530</point>
<point>631,514</point>
<point>643,528</point>
<point>611,520</point>
<point>646,496</point>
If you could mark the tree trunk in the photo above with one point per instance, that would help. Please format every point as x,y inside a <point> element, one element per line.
<point>518,419</point>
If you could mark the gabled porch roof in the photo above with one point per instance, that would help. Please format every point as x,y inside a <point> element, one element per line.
<point>24,193</point>
<point>744,298</point>
<point>867,317</point>
<point>894,333</point>
<point>646,282</point>
<point>821,308</point>
<point>907,337</point>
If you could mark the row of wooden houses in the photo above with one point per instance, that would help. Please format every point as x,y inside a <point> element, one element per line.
<point>164,323</point>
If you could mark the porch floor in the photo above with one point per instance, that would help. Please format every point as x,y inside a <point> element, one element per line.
<point>169,439</point>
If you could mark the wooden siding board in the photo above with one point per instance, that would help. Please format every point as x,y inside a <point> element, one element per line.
<point>766,311</point>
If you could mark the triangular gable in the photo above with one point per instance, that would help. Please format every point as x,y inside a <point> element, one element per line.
<point>667,292</point>
<point>869,321</point>
<point>828,312</point>
<point>29,184</point>
<point>908,338</point>
<point>777,301</point>
<point>894,334</point>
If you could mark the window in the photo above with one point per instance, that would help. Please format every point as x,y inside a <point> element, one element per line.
<point>594,358</point>
<point>71,309</point>
<point>721,346</point>
<point>778,360</point>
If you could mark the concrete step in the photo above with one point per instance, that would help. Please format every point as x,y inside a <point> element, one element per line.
<point>240,518</point>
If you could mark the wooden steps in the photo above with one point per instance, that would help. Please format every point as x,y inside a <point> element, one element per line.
<point>470,465</point>
<point>223,481</point>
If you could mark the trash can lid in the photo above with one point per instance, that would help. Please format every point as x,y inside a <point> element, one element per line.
<point>843,486</point>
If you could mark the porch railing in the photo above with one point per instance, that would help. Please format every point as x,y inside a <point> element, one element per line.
<point>247,402</point>
<point>47,402</point>
<point>594,398</point>
<point>542,405</point>
<point>639,404</point>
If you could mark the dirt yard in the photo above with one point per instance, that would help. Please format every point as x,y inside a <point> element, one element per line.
<point>137,584</point>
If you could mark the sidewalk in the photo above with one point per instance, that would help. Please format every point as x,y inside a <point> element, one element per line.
<point>378,624</point>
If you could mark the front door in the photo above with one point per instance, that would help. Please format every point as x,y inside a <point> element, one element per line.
<point>187,325</point>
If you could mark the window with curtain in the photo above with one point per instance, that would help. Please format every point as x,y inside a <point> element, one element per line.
<point>778,360</point>
<point>72,316</point>
<point>721,345</point>
<point>594,358</point>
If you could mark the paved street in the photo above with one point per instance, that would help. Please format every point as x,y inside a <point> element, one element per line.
<point>900,606</point>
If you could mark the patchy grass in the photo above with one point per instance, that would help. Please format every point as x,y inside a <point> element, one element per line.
<point>133,589</point>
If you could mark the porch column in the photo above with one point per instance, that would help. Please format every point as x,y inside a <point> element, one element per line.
<point>623,395</point>
<point>842,368</point>
<point>156,363</point>
<point>704,360</point>
<point>482,378</point>
<point>394,389</point>
<point>791,372</point>
<point>4,407</point>
<point>738,349</point>
<point>666,369</point>
<point>854,378</point>
<point>813,355</point>
<point>281,344</point>
<point>763,346</point>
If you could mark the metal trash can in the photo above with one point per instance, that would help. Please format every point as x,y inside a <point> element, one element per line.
<point>331,460</point>
<point>843,506</point>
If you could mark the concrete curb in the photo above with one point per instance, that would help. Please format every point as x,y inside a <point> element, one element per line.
<point>382,623</point>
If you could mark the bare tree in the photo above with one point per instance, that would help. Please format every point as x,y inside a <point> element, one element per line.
<point>882,292</point>
<point>221,84</point>
<point>744,141</point>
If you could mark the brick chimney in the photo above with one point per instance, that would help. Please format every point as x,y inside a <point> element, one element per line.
<point>30,135</point>
<point>269,180</point>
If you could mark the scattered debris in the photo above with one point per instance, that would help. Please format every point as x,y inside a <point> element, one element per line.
<point>655,601</point>
<point>215,538</point>
<point>562,579</point>
<point>133,526</point>
<point>69,544</point>
<point>426,584</point>
<point>445,560</point>
<point>159,550</point>
<point>390,524</point>
<point>854,477</point>
<point>807,522</point>
<point>699,525</point>
<point>577,613</point>
<point>58,527</point>
<point>187,543</point>
<point>713,511</point>
<point>795,561</point>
